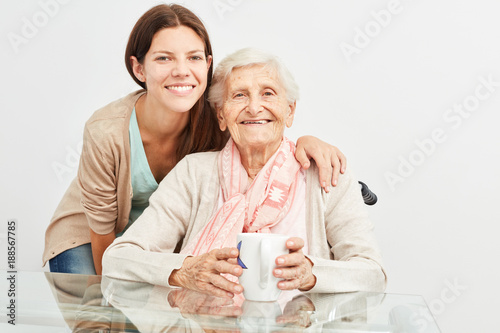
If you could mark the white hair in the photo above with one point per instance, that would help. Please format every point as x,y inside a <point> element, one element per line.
<point>245,58</point>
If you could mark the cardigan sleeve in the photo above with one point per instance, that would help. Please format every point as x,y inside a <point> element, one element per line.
<point>97,178</point>
<point>176,211</point>
<point>354,262</point>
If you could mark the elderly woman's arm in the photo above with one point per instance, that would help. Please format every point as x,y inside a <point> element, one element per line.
<point>178,209</point>
<point>145,251</point>
<point>343,254</point>
<point>343,218</point>
<point>328,158</point>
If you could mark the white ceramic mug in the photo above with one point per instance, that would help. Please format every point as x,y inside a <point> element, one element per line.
<point>258,253</point>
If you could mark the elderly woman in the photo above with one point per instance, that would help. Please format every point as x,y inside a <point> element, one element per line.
<point>187,235</point>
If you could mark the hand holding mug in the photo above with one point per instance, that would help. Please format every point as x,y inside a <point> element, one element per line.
<point>203,273</point>
<point>294,268</point>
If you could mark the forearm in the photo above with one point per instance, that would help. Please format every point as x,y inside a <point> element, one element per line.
<point>99,244</point>
<point>127,261</point>
<point>145,252</point>
<point>357,274</point>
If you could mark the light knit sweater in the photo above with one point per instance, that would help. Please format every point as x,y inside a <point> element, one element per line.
<point>342,246</point>
<point>100,196</point>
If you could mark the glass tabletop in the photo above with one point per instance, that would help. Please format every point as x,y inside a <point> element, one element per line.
<point>54,302</point>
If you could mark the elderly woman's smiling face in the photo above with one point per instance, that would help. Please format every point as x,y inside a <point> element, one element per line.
<point>255,108</point>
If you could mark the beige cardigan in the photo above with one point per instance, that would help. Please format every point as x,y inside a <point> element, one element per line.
<point>100,196</point>
<point>339,233</point>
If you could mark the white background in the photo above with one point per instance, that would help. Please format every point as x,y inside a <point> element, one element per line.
<point>377,79</point>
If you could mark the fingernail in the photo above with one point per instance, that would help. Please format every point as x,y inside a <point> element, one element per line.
<point>323,184</point>
<point>278,272</point>
<point>238,289</point>
<point>281,261</point>
<point>335,182</point>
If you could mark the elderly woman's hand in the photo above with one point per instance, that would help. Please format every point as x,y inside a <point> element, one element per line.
<point>328,158</point>
<point>203,273</point>
<point>296,268</point>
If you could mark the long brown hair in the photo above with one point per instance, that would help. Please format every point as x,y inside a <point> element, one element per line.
<point>202,133</point>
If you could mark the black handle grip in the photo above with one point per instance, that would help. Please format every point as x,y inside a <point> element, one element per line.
<point>368,196</point>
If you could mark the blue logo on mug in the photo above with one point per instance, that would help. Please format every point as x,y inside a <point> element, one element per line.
<point>239,260</point>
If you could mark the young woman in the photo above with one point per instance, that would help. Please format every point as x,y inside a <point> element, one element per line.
<point>132,143</point>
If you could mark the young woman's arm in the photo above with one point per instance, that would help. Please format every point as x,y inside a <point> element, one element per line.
<point>99,244</point>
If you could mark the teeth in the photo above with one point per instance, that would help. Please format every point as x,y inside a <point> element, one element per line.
<point>180,88</point>
<point>256,122</point>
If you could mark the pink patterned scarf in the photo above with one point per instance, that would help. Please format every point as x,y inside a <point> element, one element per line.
<point>264,204</point>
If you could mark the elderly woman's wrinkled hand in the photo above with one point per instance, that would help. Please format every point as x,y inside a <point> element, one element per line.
<point>203,273</point>
<point>295,268</point>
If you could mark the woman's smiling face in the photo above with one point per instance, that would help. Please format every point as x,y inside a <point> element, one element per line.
<point>174,69</point>
<point>255,109</point>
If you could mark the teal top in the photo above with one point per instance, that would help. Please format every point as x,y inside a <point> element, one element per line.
<point>143,181</point>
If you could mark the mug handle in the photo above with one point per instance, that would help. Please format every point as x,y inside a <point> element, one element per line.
<point>265,249</point>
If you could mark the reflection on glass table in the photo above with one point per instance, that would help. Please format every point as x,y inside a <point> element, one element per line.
<point>53,302</point>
